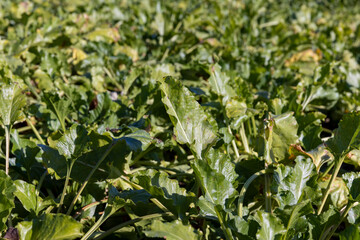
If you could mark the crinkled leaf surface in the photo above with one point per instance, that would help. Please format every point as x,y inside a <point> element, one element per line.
<point>216,187</point>
<point>293,217</point>
<point>190,121</point>
<point>290,182</point>
<point>167,191</point>
<point>175,230</point>
<point>11,102</point>
<point>72,143</point>
<point>270,226</point>
<point>219,83</point>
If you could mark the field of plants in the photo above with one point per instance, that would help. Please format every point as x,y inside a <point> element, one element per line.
<point>207,119</point>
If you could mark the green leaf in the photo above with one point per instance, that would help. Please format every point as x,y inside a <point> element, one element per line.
<point>215,185</point>
<point>7,189</point>
<point>271,226</point>
<point>352,181</point>
<point>318,224</point>
<point>219,83</point>
<point>12,100</point>
<point>293,218</point>
<point>347,136</point>
<point>50,226</point>
<point>290,182</point>
<point>350,233</point>
<point>190,122</point>
<point>72,143</point>
<point>59,106</point>
<point>284,134</point>
<point>175,230</point>
<point>166,190</point>
<point>26,193</point>
<point>102,106</point>
<point>54,161</point>
<point>237,112</point>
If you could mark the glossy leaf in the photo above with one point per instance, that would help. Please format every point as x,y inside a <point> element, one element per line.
<point>11,103</point>
<point>290,182</point>
<point>190,122</point>
<point>270,226</point>
<point>215,186</point>
<point>219,83</point>
<point>50,226</point>
<point>26,193</point>
<point>175,230</point>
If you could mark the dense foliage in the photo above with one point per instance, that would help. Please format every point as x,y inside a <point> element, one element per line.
<point>182,119</point>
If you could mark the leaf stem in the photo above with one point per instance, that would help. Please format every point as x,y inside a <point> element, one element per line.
<point>267,193</point>
<point>108,150</point>
<point>333,228</point>
<point>132,221</point>
<point>154,200</point>
<point>37,134</point>
<point>68,172</point>
<point>244,138</point>
<point>333,177</point>
<point>96,225</point>
<point>7,150</point>
<point>226,230</point>
<point>244,188</point>
<point>234,144</point>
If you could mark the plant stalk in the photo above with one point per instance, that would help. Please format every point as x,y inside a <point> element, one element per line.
<point>234,145</point>
<point>226,230</point>
<point>68,172</point>
<point>333,177</point>
<point>89,176</point>
<point>37,134</point>
<point>244,138</point>
<point>333,228</point>
<point>267,193</point>
<point>244,188</point>
<point>7,150</point>
<point>132,221</point>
